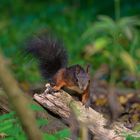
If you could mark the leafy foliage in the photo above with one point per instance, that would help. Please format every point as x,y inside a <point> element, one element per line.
<point>114,43</point>
<point>10,129</point>
<point>129,137</point>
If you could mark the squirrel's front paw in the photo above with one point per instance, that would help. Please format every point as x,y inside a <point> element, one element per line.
<point>86,100</point>
<point>86,103</point>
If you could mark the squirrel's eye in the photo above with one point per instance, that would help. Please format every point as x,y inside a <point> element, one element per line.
<point>76,80</point>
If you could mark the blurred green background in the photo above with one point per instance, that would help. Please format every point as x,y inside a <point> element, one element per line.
<point>90,38</point>
<point>94,32</point>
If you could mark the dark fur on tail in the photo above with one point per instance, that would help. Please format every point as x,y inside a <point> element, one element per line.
<point>50,52</point>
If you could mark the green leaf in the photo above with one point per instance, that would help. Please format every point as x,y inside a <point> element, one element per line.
<point>128,60</point>
<point>6,116</point>
<point>41,122</point>
<point>63,134</point>
<point>36,107</point>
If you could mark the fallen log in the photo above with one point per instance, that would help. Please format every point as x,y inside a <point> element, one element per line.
<point>61,104</point>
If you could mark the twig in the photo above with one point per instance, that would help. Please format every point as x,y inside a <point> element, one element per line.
<point>19,102</point>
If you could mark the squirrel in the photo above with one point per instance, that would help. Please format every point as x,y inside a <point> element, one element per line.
<point>53,60</point>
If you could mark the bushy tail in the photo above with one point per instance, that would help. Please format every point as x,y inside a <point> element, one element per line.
<point>50,52</point>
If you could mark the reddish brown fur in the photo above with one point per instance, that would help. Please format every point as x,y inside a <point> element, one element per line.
<point>61,80</point>
<point>85,95</point>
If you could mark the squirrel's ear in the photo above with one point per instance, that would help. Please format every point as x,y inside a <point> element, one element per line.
<point>87,68</point>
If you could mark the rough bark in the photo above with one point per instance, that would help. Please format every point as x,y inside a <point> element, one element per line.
<point>61,104</point>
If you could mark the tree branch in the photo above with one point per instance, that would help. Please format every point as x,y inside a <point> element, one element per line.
<point>61,104</point>
<point>19,102</point>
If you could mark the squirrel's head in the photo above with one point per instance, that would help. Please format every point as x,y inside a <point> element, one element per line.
<point>82,77</point>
